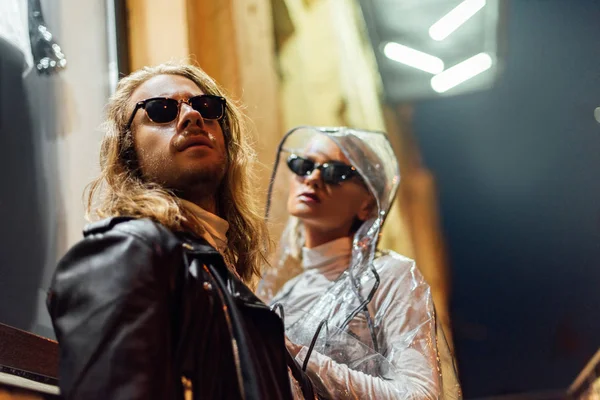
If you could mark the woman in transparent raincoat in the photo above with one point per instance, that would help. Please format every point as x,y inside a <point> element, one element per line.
<point>360,319</point>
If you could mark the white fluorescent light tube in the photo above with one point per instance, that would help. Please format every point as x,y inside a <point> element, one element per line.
<point>455,18</point>
<point>413,58</point>
<point>461,72</point>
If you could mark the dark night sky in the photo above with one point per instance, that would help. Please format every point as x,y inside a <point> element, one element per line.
<point>518,172</point>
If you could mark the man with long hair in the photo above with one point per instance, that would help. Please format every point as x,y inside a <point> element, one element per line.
<point>153,302</point>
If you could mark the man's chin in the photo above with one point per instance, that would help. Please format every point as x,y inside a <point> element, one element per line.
<point>204,176</point>
<point>208,167</point>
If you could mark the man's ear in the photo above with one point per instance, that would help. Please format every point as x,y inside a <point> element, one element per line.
<point>367,209</point>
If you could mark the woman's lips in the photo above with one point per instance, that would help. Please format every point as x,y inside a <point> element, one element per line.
<point>308,197</point>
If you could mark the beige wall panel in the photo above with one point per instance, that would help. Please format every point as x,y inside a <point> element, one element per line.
<point>158,31</point>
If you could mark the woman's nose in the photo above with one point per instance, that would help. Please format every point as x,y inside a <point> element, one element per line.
<point>314,178</point>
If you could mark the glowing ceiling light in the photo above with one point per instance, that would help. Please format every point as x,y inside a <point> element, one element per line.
<point>455,18</point>
<point>461,72</point>
<point>413,58</point>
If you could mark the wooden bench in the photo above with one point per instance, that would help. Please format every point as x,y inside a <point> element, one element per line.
<point>28,365</point>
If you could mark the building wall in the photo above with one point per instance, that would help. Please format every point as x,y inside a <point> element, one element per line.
<point>59,156</point>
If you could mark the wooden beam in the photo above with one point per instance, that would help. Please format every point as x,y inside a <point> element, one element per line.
<point>419,202</point>
<point>157,32</point>
<point>212,38</point>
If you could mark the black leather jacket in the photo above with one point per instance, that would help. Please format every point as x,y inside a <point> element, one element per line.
<point>136,308</point>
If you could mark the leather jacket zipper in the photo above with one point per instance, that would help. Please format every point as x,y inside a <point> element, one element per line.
<point>234,345</point>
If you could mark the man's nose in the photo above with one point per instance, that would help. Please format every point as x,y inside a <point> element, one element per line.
<point>189,116</point>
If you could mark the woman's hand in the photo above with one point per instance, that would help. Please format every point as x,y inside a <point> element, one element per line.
<point>293,348</point>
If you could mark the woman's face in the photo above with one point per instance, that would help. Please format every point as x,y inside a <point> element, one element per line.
<point>328,207</point>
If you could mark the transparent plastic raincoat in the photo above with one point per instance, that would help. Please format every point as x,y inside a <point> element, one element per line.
<point>369,332</point>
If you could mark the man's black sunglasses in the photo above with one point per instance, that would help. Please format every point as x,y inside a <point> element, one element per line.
<point>163,109</point>
<point>332,172</point>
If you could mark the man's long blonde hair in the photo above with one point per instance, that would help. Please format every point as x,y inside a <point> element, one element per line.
<point>119,190</point>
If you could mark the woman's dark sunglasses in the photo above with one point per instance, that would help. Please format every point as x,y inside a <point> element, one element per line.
<point>163,109</point>
<point>332,172</point>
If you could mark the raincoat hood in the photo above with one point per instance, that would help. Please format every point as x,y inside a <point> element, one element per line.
<point>371,154</point>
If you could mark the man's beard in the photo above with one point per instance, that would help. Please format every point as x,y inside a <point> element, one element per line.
<point>194,184</point>
<point>200,182</point>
